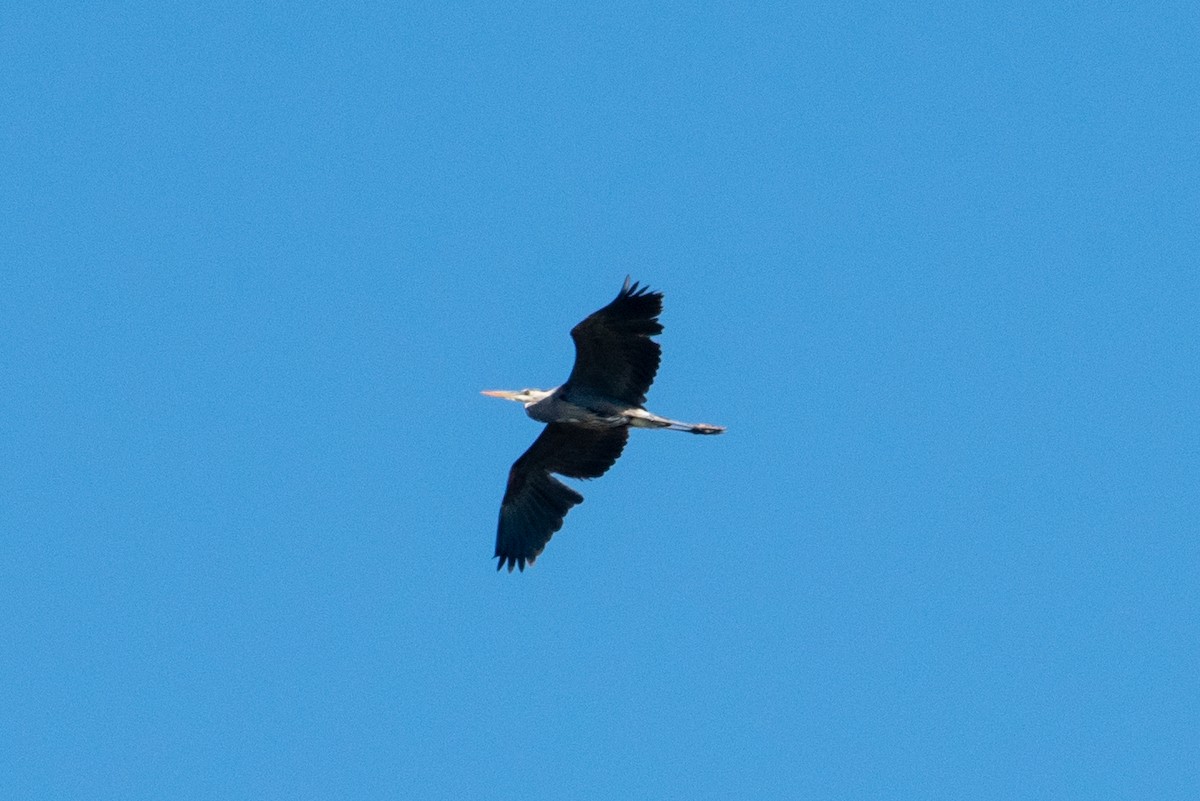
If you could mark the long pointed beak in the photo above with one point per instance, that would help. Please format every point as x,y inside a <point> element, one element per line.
<point>500,393</point>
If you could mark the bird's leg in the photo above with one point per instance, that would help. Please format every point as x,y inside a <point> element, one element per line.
<point>703,428</point>
<point>640,418</point>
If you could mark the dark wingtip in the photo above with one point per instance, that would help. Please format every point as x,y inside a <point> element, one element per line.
<point>512,561</point>
<point>636,290</point>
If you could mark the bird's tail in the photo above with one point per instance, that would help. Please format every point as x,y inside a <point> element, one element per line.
<point>644,419</point>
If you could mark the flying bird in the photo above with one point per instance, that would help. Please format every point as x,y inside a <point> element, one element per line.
<point>587,420</point>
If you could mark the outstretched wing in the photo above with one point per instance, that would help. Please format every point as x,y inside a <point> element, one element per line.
<point>535,502</point>
<point>614,355</point>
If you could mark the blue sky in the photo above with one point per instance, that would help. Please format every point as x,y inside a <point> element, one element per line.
<point>935,267</point>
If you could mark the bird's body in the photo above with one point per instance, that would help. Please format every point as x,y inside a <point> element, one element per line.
<point>588,420</point>
<point>563,406</point>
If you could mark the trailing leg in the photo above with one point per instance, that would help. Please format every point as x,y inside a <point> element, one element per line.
<point>640,418</point>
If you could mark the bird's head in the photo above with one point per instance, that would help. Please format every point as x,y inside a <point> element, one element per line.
<point>525,396</point>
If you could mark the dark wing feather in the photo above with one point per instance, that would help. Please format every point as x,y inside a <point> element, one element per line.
<point>535,502</point>
<point>614,355</point>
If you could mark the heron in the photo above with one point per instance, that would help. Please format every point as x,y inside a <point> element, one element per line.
<point>587,421</point>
